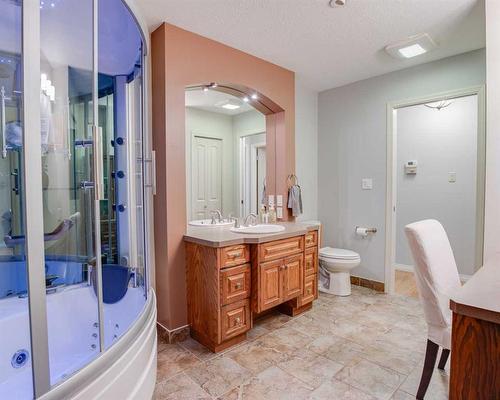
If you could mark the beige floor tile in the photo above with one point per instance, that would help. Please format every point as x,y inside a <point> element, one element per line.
<point>284,340</point>
<point>336,348</point>
<point>400,395</point>
<point>438,387</point>
<point>256,357</point>
<point>272,383</point>
<point>173,359</point>
<point>197,349</point>
<point>365,346</point>
<point>335,389</point>
<point>393,357</point>
<point>180,387</point>
<point>371,378</point>
<point>219,375</point>
<point>310,367</point>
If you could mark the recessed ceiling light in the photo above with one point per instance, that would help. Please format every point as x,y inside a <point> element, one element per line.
<point>246,99</point>
<point>231,106</point>
<point>255,96</point>
<point>412,47</point>
<point>412,51</point>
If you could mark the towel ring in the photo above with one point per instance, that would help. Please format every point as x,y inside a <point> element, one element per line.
<point>292,180</point>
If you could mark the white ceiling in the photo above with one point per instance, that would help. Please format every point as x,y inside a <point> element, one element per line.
<point>212,101</point>
<point>327,47</point>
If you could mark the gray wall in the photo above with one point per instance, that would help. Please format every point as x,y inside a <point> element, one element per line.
<point>352,146</point>
<point>441,142</point>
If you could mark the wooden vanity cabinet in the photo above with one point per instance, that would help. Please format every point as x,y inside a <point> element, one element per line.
<point>218,294</point>
<point>228,286</point>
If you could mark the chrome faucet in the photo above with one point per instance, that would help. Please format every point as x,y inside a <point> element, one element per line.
<point>216,213</point>
<point>251,215</point>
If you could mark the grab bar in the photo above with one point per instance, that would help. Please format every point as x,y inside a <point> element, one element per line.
<point>2,121</point>
<point>57,233</point>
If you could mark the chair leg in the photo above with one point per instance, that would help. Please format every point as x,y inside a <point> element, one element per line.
<point>444,358</point>
<point>429,363</point>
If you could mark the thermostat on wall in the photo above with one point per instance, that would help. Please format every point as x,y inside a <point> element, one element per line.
<point>411,167</point>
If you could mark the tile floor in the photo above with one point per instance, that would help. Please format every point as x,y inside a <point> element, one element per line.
<point>366,346</point>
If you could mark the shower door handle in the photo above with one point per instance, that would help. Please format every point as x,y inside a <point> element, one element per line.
<point>152,160</point>
<point>3,121</point>
<point>98,166</point>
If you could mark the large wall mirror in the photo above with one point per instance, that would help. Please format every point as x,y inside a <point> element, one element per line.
<point>226,156</point>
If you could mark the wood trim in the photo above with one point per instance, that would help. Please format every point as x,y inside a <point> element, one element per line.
<point>475,312</point>
<point>292,311</point>
<point>367,283</point>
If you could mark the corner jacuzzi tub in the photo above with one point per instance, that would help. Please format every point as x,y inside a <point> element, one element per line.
<point>73,329</point>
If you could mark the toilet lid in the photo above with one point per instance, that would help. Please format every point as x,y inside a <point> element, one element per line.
<point>340,254</point>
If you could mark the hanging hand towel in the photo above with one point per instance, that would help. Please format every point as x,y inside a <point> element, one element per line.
<point>295,200</point>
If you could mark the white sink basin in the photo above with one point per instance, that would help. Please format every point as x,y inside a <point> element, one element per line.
<point>262,228</point>
<point>208,223</point>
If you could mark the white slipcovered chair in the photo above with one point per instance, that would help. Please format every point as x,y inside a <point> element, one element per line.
<point>437,277</point>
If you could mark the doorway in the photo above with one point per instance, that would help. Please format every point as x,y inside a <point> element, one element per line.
<point>436,169</point>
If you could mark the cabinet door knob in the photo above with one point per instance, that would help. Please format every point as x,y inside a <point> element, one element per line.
<point>238,285</point>
<point>237,321</point>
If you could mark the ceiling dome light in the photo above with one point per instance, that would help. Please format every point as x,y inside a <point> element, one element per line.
<point>337,3</point>
<point>412,46</point>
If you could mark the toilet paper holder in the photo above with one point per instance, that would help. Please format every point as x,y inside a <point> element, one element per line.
<point>363,232</point>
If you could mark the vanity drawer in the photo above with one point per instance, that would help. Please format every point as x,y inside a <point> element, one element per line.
<point>310,289</point>
<point>311,239</point>
<point>311,261</point>
<point>234,255</point>
<point>235,319</point>
<point>281,248</point>
<point>235,284</point>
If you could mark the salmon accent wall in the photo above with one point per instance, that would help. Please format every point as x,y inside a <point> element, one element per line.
<point>181,59</point>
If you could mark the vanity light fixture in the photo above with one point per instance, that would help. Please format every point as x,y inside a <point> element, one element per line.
<point>412,46</point>
<point>255,96</point>
<point>213,85</point>
<point>205,88</point>
<point>231,106</point>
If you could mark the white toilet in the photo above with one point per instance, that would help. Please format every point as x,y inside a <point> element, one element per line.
<point>335,270</point>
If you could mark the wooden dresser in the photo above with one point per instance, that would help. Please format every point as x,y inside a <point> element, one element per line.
<point>228,286</point>
<point>475,340</point>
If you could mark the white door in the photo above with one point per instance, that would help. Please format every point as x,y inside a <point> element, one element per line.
<point>206,177</point>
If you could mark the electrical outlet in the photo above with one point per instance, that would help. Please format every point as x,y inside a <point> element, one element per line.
<point>452,177</point>
<point>279,212</point>
<point>270,200</point>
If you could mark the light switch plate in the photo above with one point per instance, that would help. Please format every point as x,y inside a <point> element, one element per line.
<point>279,200</point>
<point>279,212</point>
<point>270,200</point>
<point>452,177</point>
<point>367,183</point>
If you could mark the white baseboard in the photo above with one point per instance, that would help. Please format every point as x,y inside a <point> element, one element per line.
<point>409,268</point>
